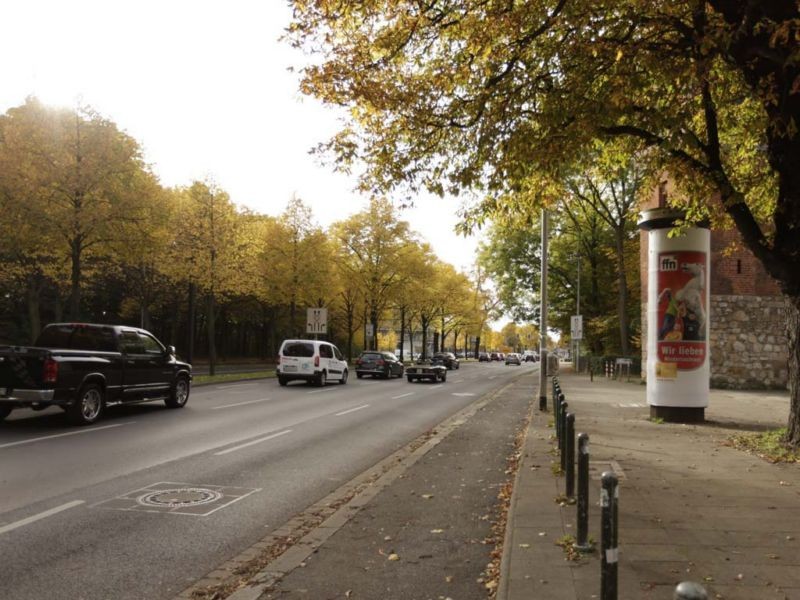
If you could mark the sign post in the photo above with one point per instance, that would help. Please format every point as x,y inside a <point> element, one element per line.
<point>576,322</point>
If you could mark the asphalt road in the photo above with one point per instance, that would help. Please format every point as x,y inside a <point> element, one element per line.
<point>84,512</point>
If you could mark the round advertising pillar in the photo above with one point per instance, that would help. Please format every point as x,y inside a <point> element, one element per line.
<point>678,361</point>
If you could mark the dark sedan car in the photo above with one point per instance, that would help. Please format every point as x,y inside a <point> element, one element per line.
<point>379,364</point>
<point>448,359</point>
<point>483,357</point>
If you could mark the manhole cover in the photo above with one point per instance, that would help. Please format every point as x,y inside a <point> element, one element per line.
<point>179,497</point>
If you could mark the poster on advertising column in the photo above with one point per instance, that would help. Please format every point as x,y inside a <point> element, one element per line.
<point>681,343</point>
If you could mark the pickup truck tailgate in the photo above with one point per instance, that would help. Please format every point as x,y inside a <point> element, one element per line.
<point>21,367</point>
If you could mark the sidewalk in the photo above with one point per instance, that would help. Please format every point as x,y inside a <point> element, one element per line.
<point>690,508</point>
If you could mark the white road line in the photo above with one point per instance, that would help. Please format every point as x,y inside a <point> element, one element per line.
<point>58,435</point>
<point>327,389</point>
<point>42,515</point>
<point>258,441</point>
<point>402,396</point>
<point>233,387</point>
<point>239,403</point>
<point>344,412</point>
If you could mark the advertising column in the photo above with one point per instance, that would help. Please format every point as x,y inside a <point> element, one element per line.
<point>678,362</point>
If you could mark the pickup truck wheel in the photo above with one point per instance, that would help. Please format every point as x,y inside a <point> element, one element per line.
<point>179,394</point>
<point>359,375</point>
<point>410,379</point>
<point>88,406</point>
<point>4,412</point>
<point>444,376</point>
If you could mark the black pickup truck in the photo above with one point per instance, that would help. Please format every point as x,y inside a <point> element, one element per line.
<point>84,368</point>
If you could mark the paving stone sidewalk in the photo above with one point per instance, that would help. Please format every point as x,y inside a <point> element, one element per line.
<point>690,507</point>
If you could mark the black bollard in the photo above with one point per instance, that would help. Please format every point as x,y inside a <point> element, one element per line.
<point>582,543</point>
<point>563,445</point>
<point>689,590</point>
<point>570,447</point>
<point>557,400</point>
<point>609,498</point>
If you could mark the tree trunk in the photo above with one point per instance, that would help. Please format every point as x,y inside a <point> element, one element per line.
<point>33,297</point>
<point>373,319</point>
<point>622,298</point>
<point>212,348</point>
<point>191,324</point>
<point>402,331</point>
<point>424,323</point>
<point>477,346</point>
<point>75,289</point>
<point>793,340</point>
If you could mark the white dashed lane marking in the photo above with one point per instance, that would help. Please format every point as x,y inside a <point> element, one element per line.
<point>58,435</point>
<point>40,516</point>
<point>350,410</point>
<point>240,403</point>
<point>252,443</point>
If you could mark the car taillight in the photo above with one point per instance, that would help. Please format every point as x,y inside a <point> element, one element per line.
<point>316,361</point>
<point>380,363</point>
<point>50,371</point>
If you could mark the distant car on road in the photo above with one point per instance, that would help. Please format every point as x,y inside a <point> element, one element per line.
<point>513,358</point>
<point>379,364</point>
<point>494,356</point>
<point>448,359</point>
<point>483,357</point>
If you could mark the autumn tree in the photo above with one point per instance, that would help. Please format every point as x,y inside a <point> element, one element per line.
<point>80,174</point>
<point>376,245</point>
<point>486,95</point>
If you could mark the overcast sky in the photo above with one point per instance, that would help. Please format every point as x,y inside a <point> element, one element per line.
<point>204,87</point>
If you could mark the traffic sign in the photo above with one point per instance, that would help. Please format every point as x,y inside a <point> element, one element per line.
<point>317,320</point>
<point>576,321</point>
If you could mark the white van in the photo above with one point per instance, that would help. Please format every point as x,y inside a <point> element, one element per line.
<point>310,360</point>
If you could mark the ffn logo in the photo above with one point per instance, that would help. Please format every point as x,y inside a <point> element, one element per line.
<point>669,263</point>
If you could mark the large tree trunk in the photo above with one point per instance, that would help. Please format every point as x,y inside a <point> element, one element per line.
<point>793,339</point>
<point>477,346</point>
<point>622,298</point>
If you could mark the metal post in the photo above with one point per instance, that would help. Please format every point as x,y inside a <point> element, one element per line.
<point>563,446</point>
<point>558,398</point>
<point>582,543</point>
<point>543,319</point>
<point>689,590</point>
<point>609,498</point>
<point>570,447</point>
<point>578,312</point>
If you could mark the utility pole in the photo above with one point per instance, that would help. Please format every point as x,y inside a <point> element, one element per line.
<point>543,319</point>
<point>578,312</point>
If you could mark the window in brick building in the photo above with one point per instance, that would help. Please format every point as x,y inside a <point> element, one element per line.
<point>738,267</point>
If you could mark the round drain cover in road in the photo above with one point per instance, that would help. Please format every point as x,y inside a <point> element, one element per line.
<point>179,497</point>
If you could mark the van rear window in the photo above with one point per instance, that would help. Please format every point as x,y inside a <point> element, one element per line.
<point>300,349</point>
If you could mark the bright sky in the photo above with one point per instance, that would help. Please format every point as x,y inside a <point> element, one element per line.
<point>203,86</point>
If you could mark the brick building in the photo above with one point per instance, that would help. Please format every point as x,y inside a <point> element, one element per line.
<point>747,338</point>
